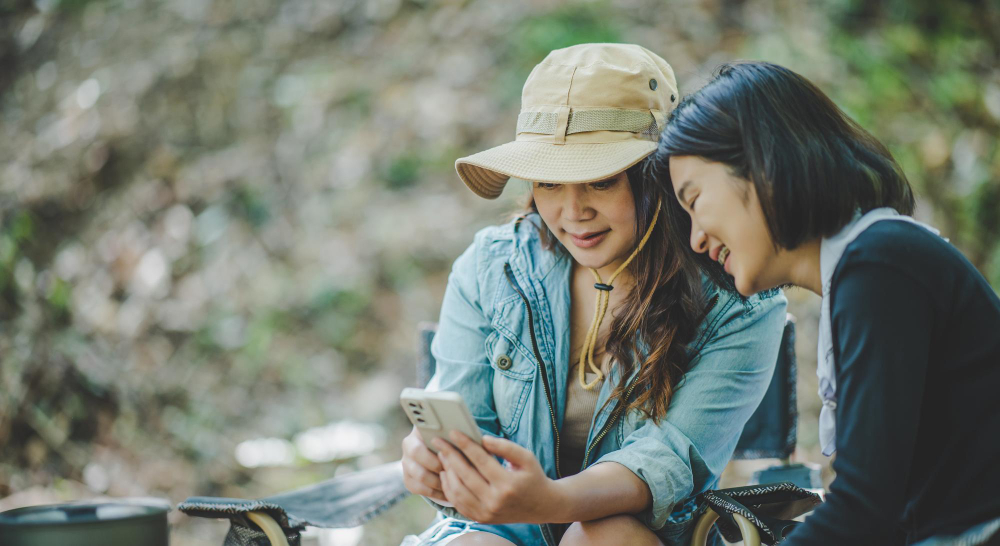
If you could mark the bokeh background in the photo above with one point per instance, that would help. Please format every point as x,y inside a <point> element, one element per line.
<point>221,221</point>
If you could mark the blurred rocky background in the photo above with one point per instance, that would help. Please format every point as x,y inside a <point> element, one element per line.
<point>221,221</point>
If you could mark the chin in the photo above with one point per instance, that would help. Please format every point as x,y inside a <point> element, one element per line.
<point>744,289</point>
<point>591,263</point>
<point>586,259</point>
<point>747,286</point>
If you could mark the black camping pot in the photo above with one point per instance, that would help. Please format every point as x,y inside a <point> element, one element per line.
<point>117,522</point>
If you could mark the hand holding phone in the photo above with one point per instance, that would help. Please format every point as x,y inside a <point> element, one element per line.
<point>422,469</point>
<point>436,414</point>
<point>433,414</point>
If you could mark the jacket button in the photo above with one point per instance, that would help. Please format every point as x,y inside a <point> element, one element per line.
<point>504,362</point>
<point>652,84</point>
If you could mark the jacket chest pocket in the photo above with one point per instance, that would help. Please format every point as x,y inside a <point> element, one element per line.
<point>513,375</point>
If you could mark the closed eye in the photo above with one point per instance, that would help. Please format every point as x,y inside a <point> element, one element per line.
<point>544,185</point>
<point>603,185</point>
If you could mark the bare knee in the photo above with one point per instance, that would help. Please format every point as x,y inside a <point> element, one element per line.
<point>620,529</point>
<point>480,538</point>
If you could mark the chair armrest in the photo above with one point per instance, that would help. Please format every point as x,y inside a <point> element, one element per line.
<point>346,501</point>
<point>757,513</point>
<point>275,534</point>
<point>749,533</point>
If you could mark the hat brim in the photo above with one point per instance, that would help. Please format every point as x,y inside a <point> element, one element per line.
<point>486,173</point>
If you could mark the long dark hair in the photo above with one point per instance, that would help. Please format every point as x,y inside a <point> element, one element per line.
<point>812,166</point>
<point>660,314</point>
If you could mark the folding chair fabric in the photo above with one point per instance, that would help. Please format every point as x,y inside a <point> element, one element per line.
<point>346,501</point>
<point>770,507</point>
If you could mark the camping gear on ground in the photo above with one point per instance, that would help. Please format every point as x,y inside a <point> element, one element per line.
<point>88,523</point>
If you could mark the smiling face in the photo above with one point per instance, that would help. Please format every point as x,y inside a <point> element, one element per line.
<point>594,221</point>
<point>727,222</point>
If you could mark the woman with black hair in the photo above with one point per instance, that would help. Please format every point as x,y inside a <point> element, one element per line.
<point>781,187</point>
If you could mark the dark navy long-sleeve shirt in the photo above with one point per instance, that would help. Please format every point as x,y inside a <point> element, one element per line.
<point>916,338</point>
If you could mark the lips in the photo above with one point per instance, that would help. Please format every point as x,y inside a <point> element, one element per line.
<point>587,239</point>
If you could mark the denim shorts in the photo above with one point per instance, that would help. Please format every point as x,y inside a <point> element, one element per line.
<point>446,529</point>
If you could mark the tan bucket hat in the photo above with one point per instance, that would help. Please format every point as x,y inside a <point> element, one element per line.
<point>588,112</point>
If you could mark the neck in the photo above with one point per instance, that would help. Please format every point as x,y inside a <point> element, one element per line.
<point>608,270</point>
<point>803,267</point>
<point>623,282</point>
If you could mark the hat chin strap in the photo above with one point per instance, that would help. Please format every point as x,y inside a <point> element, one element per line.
<point>601,307</point>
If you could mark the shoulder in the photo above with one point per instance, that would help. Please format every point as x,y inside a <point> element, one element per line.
<point>895,242</point>
<point>900,249</point>
<point>517,243</point>
<point>730,304</point>
<point>503,240</point>
<point>759,316</point>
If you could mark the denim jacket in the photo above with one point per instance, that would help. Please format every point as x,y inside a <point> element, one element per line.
<point>503,343</point>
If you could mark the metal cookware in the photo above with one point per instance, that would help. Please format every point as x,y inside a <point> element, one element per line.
<point>116,522</point>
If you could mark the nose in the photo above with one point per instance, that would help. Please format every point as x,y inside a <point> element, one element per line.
<point>576,207</point>
<point>699,241</point>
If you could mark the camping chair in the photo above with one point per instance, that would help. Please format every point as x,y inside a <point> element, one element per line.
<point>757,513</point>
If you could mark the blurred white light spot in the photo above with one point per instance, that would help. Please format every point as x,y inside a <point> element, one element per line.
<point>151,277</point>
<point>46,5</point>
<point>88,93</point>
<point>96,478</point>
<point>177,223</point>
<point>30,32</point>
<point>265,452</point>
<point>341,440</point>
<point>350,536</point>
<point>991,99</point>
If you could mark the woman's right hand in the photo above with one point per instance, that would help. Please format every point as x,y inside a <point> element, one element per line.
<point>422,469</point>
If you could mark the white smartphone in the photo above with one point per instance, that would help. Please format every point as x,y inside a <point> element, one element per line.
<point>436,414</point>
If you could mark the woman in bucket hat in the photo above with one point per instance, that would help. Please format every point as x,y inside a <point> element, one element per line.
<point>611,379</point>
<point>784,188</point>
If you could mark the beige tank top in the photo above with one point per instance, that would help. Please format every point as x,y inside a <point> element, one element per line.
<point>580,406</point>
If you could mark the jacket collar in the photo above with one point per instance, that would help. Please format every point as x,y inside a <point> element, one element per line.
<point>530,256</point>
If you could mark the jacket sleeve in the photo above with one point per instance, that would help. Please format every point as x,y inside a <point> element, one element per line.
<point>459,348</point>
<point>687,451</point>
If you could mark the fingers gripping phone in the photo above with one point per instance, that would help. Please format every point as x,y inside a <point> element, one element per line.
<point>436,414</point>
